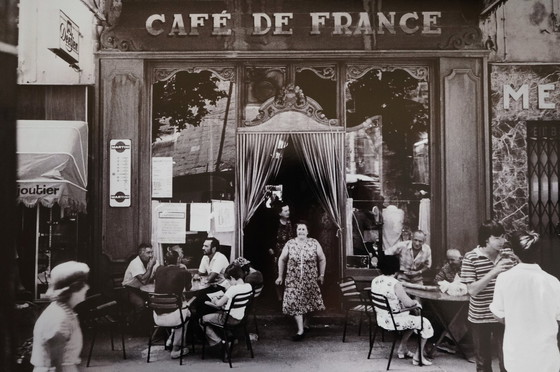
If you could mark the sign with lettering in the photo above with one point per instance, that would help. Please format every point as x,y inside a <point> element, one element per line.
<point>543,93</point>
<point>120,172</point>
<point>68,47</point>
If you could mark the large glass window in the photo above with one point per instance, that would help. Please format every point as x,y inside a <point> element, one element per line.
<point>387,158</point>
<point>193,157</point>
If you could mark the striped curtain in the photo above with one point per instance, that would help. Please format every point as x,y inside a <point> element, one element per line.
<point>257,164</point>
<point>322,156</point>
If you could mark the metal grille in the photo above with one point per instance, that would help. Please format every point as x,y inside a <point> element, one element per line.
<point>543,147</point>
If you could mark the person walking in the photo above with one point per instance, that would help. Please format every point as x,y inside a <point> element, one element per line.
<point>479,270</point>
<point>57,336</point>
<point>301,267</point>
<point>527,300</point>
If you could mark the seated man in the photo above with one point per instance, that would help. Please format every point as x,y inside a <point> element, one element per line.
<point>171,278</point>
<point>415,257</point>
<point>139,273</point>
<point>451,268</point>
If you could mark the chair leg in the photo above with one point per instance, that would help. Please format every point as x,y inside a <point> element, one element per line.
<point>371,341</point>
<point>150,343</point>
<point>249,343</point>
<point>112,341</point>
<point>121,326</point>
<point>360,325</point>
<point>182,344</point>
<point>345,325</point>
<point>420,363</point>
<point>391,355</point>
<point>93,336</point>
<point>204,340</point>
<point>256,324</point>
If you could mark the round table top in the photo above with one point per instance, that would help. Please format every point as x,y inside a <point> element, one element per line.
<point>436,295</point>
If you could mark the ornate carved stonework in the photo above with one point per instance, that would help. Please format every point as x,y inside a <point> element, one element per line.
<point>326,72</point>
<point>224,73</point>
<point>291,98</point>
<point>472,38</point>
<point>357,71</point>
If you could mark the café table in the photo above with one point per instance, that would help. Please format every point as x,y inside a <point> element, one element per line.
<point>438,300</point>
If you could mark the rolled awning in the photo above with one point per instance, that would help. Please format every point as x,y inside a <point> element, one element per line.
<point>52,163</point>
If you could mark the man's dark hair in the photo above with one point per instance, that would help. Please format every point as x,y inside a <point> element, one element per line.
<point>389,264</point>
<point>279,205</point>
<point>487,229</point>
<point>525,245</point>
<point>143,246</point>
<point>234,271</point>
<point>214,243</point>
<point>171,257</point>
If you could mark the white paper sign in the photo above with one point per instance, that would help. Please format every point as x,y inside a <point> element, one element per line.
<point>224,215</point>
<point>171,222</point>
<point>162,177</point>
<point>120,173</point>
<point>200,216</point>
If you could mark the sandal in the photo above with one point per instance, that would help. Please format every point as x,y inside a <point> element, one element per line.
<point>425,362</point>
<point>408,354</point>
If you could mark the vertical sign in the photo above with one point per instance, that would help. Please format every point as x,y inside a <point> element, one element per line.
<point>119,168</point>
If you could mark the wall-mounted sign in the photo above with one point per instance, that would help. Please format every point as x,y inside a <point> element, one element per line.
<point>162,177</point>
<point>120,172</point>
<point>68,47</point>
<point>544,93</point>
<point>171,222</point>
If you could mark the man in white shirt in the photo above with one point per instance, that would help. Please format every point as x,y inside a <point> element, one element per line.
<point>527,300</point>
<point>140,273</point>
<point>213,263</point>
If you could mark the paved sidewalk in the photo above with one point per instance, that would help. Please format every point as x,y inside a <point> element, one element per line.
<point>321,350</point>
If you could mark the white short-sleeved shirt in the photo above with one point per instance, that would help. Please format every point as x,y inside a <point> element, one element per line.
<point>217,265</point>
<point>231,292</point>
<point>529,300</point>
<point>136,267</point>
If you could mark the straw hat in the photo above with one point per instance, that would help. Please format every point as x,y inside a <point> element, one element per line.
<point>65,275</point>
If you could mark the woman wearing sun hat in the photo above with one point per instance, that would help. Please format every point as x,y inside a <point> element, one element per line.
<point>57,337</point>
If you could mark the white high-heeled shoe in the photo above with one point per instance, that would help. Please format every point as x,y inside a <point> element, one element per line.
<point>425,362</point>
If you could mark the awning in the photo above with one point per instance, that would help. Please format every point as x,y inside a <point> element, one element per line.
<point>490,6</point>
<point>52,163</point>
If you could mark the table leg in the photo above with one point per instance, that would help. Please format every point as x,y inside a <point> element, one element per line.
<point>446,325</point>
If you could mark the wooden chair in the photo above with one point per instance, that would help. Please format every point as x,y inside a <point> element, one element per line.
<point>168,302</point>
<point>381,303</point>
<point>352,301</point>
<point>233,331</point>
<point>99,311</point>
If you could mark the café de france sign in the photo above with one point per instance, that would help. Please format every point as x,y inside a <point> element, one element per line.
<point>338,23</point>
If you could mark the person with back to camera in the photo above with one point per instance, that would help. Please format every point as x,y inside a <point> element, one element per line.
<point>57,336</point>
<point>388,285</point>
<point>480,268</point>
<point>172,278</point>
<point>527,300</point>
<point>305,271</point>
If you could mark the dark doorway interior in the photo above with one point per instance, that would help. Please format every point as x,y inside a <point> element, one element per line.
<point>260,233</point>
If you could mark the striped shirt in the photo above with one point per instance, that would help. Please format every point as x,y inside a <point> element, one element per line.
<point>475,266</point>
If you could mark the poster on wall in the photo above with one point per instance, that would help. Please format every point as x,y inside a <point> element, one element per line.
<point>171,222</point>
<point>200,216</point>
<point>223,213</point>
<point>162,177</point>
<point>119,172</point>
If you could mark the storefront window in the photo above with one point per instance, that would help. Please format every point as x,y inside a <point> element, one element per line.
<point>319,83</point>
<point>261,83</point>
<point>387,158</point>
<point>193,157</point>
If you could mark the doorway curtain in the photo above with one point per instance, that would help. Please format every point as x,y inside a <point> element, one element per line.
<point>259,159</point>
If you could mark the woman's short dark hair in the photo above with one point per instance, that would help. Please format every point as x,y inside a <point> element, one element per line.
<point>234,271</point>
<point>487,229</point>
<point>389,264</point>
<point>171,257</point>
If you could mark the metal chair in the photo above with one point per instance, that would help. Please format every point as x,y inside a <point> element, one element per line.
<point>256,294</point>
<point>98,312</point>
<point>168,302</point>
<point>232,331</point>
<point>381,303</point>
<point>352,301</point>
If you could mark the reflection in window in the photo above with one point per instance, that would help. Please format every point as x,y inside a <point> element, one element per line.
<point>262,83</point>
<point>193,124</point>
<point>320,84</point>
<point>387,157</point>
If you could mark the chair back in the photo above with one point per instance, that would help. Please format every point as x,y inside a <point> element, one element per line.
<point>381,302</point>
<point>240,301</point>
<point>257,291</point>
<point>164,303</point>
<point>348,290</point>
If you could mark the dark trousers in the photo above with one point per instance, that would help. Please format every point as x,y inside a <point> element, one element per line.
<point>483,334</point>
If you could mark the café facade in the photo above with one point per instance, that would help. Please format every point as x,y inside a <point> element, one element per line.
<point>370,118</point>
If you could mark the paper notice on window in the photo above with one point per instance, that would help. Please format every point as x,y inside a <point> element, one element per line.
<point>171,223</point>
<point>162,177</point>
<point>224,215</point>
<point>200,216</point>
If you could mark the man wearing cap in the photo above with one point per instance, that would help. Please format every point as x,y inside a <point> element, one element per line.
<point>527,300</point>
<point>57,336</point>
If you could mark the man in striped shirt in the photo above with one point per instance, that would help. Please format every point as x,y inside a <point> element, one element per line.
<point>480,268</point>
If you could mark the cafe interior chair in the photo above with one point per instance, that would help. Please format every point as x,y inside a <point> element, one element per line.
<point>97,312</point>
<point>256,294</point>
<point>380,302</point>
<point>231,332</point>
<point>352,302</point>
<point>167,302</point>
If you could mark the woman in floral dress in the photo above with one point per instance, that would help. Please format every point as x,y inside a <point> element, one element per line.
<point>389,286</point>
<point>305,271</point>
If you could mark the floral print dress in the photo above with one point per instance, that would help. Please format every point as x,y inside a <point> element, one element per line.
<point>302,293</point>
<point>385,285</point>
